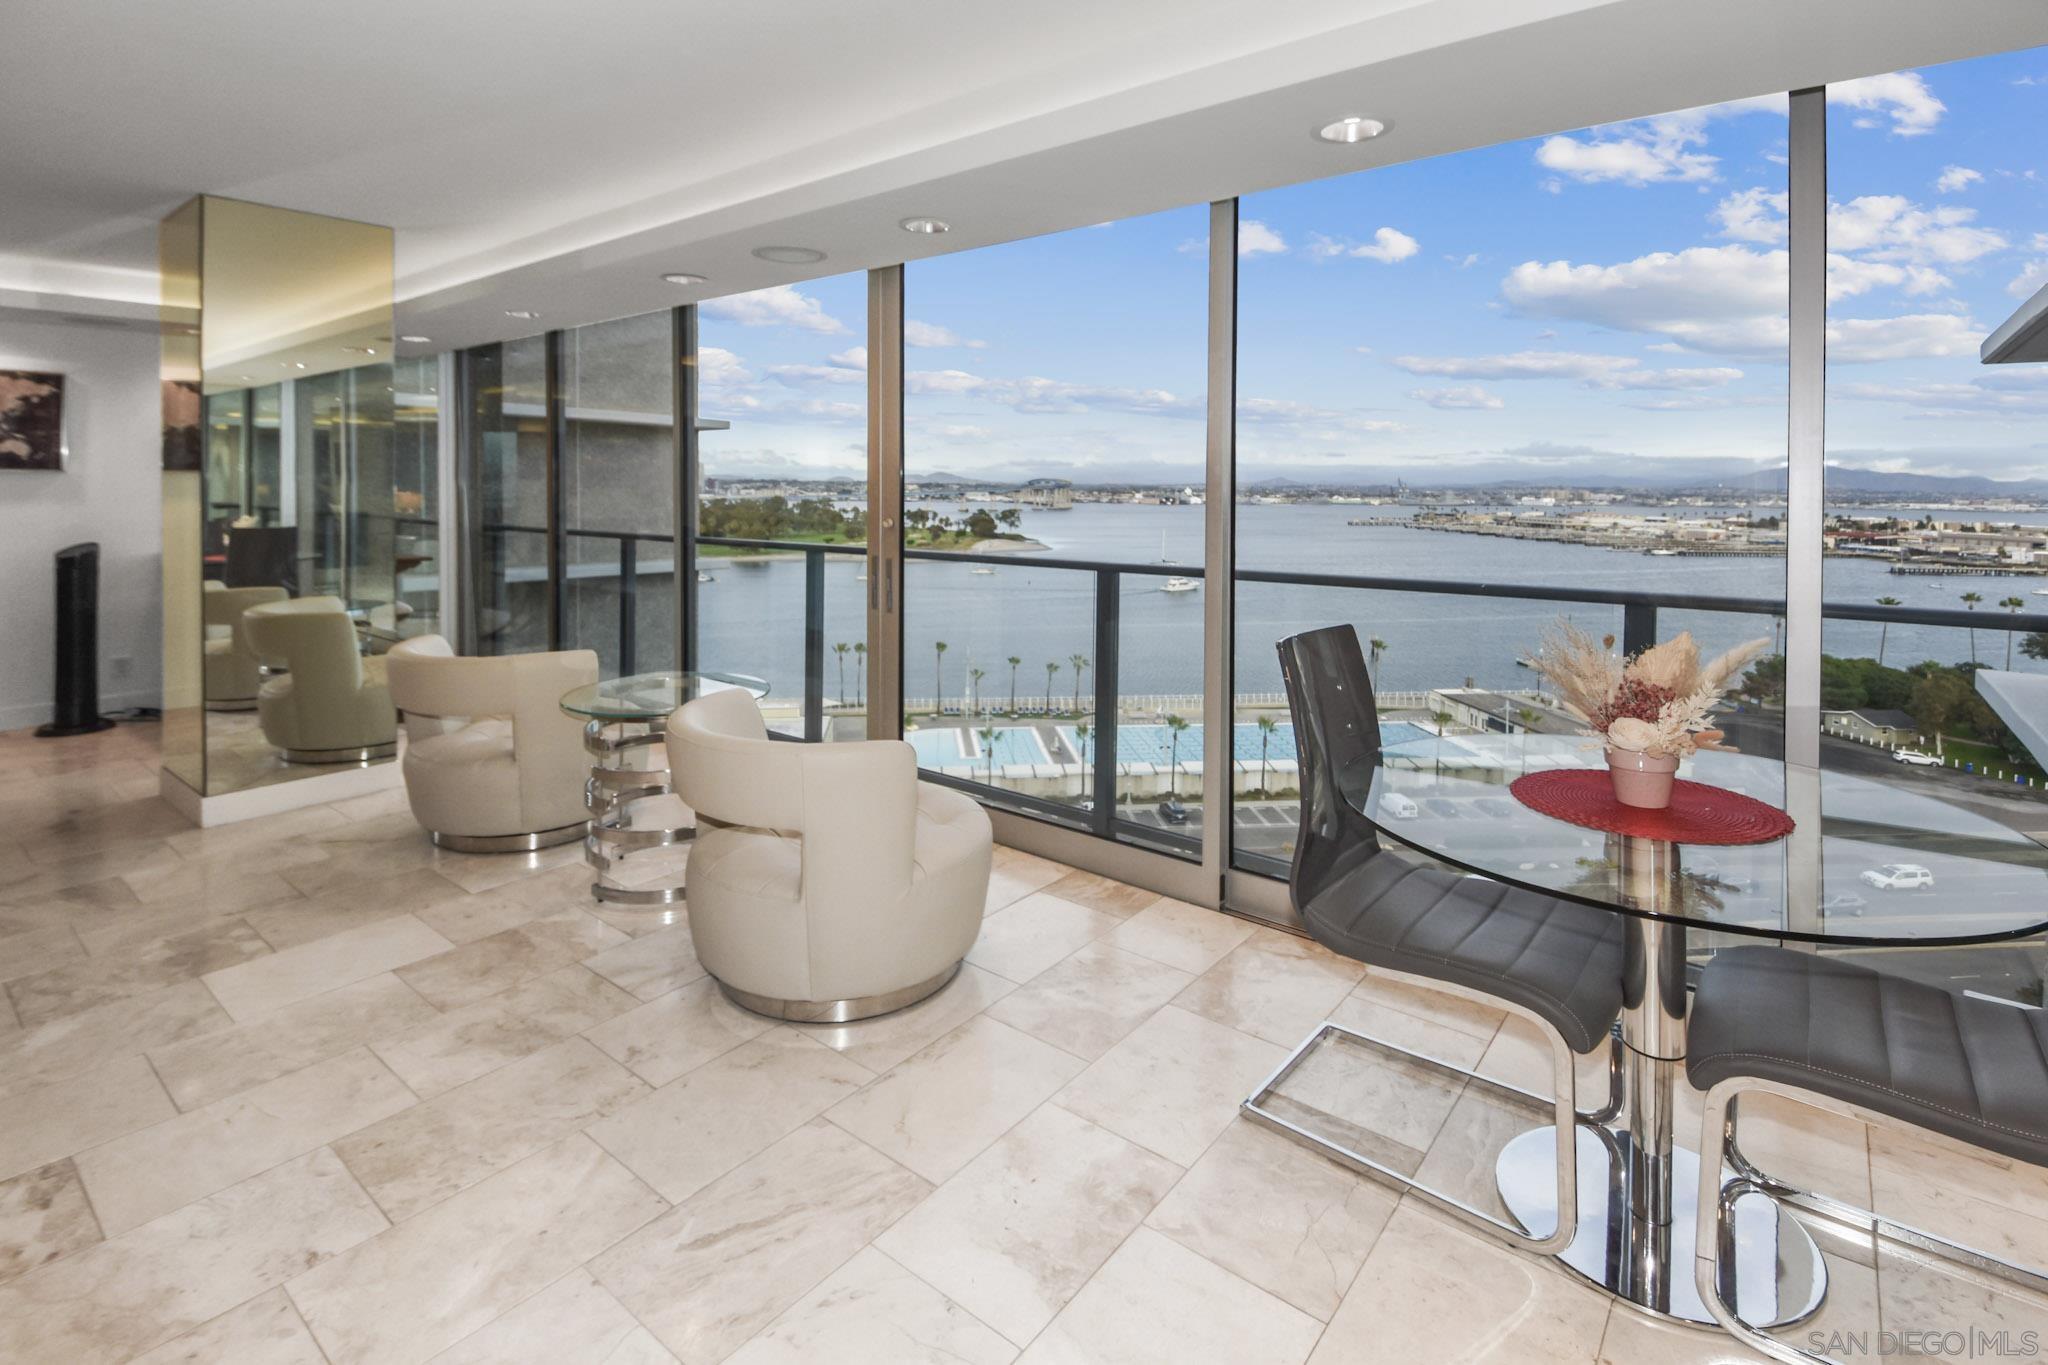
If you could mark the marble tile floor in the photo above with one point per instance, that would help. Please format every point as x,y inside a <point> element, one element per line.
<point>304,1089</point>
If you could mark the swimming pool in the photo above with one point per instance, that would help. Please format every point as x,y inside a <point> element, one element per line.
<point>1154,743</point>
<point>942,748</point>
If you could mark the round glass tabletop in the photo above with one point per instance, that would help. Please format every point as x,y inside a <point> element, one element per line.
<point>651,696</point>
<point>1884,865</point>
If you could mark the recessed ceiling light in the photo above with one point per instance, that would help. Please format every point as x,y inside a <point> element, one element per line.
<point>416,340</point>
<point>789,255</point>
<point>930,227</point>
<point>1353,129</point>
<point>523,314</point>
<point>684,277</point>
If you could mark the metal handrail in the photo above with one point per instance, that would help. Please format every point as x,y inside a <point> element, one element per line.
<point>1639,626</point>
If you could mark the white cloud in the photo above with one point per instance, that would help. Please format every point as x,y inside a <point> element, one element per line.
<point>1754,215</point>
<point>1890,227</point>
<point>965,432</point>
<point>1973,398</point>
<point>1256,239</point>
<point>1902,96</point>
<point>719,368</point>
<point>1731,300</point>
<point>1519,365</point>
<point>2034,273</point>
<point>929,334</point>
<point>1387,246</point>
<point>853,357</point>
<point>1464,262</point>
<point>1036,394</point>
<point>1459,396</point>
<point>1288,413</point>
<point>1594,371</point>
<point>777,306</point>
<point>1914,337</point>
<point>1632,160</point>
<point>801,376</point>
<point>1954,179</point>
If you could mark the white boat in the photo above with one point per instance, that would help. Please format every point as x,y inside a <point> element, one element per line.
<point>2041,592</point>
<point>1662,551</point>
<point>1165,558</point>
<point>981,568</point>
<point>1179,584</point>
<point>703,577</point>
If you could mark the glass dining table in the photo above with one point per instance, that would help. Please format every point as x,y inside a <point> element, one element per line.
<point>1871,866</point>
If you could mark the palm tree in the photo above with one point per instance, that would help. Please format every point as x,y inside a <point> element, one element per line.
<point>939,677</point>
<point>1013,661</point>
<point>1886,628</point>
<point>1266,727</point>
<point>1082,733</point>
<point>1174,726</point>
<point>841,650</point>
<point>987,735</point>
<point>860,673</point>
<point>2011,604</point>
<point>1079,661</point>
<point>1970,600</point>
<point>974,677</point>
<point>1050,669</point>
<point>1378,647</point>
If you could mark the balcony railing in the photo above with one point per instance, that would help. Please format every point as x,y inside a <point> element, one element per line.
<point>1103,811</point>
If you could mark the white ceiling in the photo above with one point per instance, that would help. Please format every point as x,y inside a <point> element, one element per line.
<point>559,158</point>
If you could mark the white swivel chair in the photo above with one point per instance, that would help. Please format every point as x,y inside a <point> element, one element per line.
<point>232,672</point>
<point>826,882</point>
<point>331,705</point>
<point>492,765</point>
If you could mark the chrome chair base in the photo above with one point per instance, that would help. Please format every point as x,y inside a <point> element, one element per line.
<point>1718,1262</point>
<point>1265,1106</point>
<point>839,1011</point>
<point>369,753</point>
<point>509,843</point>
<point>1784,1276</point>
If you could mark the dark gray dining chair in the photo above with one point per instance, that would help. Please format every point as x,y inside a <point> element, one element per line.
<point>1882,1049</point>
<point>1553,962</point>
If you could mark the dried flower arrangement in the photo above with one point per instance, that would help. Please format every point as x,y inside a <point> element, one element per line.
<point>1658,703</point>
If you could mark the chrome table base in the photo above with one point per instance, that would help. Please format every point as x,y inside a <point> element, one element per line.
<point>612,787</point>
<point>1781,1275</point>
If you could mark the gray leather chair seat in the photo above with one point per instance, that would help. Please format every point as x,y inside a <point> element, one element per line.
<point>1560,960</point>
<point>1975,1070</point>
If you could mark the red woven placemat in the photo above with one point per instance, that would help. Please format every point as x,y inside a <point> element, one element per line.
<point>1698,813</point>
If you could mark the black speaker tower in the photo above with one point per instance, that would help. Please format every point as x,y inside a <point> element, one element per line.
<point>78,644</point>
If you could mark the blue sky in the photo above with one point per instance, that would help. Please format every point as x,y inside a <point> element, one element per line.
<point>1605,301</point>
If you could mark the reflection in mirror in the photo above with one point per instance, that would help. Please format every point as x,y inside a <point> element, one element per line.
<point>294,525</point>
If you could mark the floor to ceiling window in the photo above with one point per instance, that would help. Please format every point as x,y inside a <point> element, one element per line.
<point>1053,413</point>
<point>1936,536</point>
<point>506,389</point>
<point>1557,364</point>
<point>416,490</point>
<point>782,499</point>
<point>617,492</point>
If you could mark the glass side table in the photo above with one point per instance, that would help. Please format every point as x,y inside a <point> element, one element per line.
<point>622,717</point>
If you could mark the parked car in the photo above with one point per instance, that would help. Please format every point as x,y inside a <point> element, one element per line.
<point>1916,758</point>
<point>1899,877</point>
<point>1440,808</point>
<point>1399,806</point>
<point>1173,813</point>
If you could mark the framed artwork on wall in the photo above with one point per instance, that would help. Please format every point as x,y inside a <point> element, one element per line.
<point>31,421</point>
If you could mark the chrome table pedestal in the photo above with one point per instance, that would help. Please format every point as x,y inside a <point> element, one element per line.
<point>615,783</point>
<point>1638,1188</point>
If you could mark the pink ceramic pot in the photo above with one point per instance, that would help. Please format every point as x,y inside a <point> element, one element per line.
<point>1641,780</point>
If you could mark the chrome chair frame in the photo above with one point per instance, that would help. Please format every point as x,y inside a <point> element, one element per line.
<point>1564,1097</point>
<point>1714,1266</point>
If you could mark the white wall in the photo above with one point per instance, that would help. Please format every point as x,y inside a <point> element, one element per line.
<point>109,492</point>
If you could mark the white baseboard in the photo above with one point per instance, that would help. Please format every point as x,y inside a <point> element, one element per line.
<point>226,809</point>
